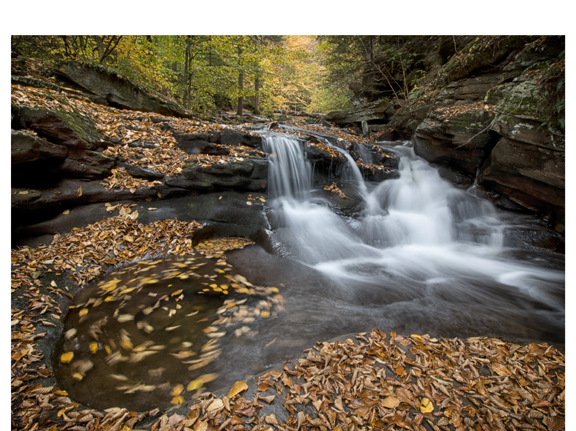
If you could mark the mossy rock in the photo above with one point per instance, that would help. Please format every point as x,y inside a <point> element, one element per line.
<point>523,100</point>
<point>68,128</point>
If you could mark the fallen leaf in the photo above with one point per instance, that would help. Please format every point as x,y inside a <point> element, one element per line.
<point>237,388</point>
<point>390,402</point>
<point>426,405</point>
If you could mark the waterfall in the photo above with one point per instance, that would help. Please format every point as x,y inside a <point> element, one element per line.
<point>414,229</point>
<point>290,174</point>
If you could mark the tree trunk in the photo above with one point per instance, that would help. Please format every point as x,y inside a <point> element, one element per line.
<point>240,86</point>
<point>186,98</point>
<point>257,97</point>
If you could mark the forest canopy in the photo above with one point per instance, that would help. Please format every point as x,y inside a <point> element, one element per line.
<point>257,73</point>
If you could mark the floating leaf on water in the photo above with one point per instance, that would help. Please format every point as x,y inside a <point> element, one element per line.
<point>125,318</point>
<point>176,293</point>
<point>66,358</point>
<point>83,365</point>
<point>208,377</point>
<point>138,356</point>
<point>77,376</point>
<point>83,312</point>
<point>79,192</point>
<point>120,377</point>
<point>128,290</point>
<point>70,333</point>
<point>177,390</point>
<point>194,384</point>
<point>171,328</point>
<point>156,372</point>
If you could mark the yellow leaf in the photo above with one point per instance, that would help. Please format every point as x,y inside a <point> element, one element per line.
<point>426,405</point>
<point>177,400</point>
<point>208,377</point>
<point>79,191</point>
<point>178,292</point>
<point>177,390</point>
<point>66,212</point>
<point>83,312</point>
<point>94,347</point>
<point>66,358</point>
<point>194,384</point>
<point>237,388</point>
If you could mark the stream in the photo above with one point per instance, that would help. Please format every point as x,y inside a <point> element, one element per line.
<point>419,256</point>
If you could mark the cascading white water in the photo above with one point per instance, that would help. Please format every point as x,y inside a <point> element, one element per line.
<point>290,174</point>
<point>417,228</point>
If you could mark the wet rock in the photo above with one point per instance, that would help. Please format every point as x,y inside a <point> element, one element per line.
<point>87,164</point>
<point>115,90</point>
<point>247,174</point>
<point>27,148</point>
<point>68,128</point>
<point>404,122</point>
<point>458,142</point>
<point>222,214</point>
<point>234,137</point>
<point>204,143</point>
<point>44,204</point>
<point>474,88</point>
<point>139,172</point>
<point>380,110</point>
<point>529,175</point>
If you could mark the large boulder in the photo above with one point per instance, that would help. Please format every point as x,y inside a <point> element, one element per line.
<point>458,141</point>
<point>378,112</point>
<point>234,137</point>
<point>28,148</point>
<point>68,128</point>
<point>116,91</point>
<point>87,164</point>
<point>533,176</point>
<point>31,205</point>
<point>200,143</point>
<point>239,175</point>
<point>528,163</point>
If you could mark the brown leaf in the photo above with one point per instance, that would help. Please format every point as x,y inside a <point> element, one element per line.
<point>390,402</point>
